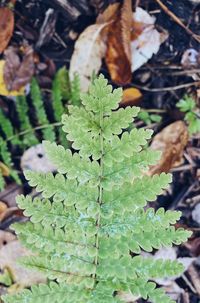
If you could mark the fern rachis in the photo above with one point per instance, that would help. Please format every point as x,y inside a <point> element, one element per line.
<point>92,212</point>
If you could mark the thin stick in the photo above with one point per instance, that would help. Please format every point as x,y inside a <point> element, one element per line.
<point>34,129</point>
<point>177,20</point>
<point>167,89</point>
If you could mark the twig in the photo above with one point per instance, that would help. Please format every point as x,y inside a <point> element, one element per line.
<point>33,129</point>
<point>177,20</point>
<point>167,89</point>
<point>189,284</point>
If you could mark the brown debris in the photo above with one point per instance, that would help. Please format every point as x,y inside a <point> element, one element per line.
<point>6,27</point>
<point>118,55</point>
<point>18,73</point>
<point>171,141</point>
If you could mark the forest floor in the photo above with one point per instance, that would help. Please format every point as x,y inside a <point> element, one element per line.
<point>170,72</point>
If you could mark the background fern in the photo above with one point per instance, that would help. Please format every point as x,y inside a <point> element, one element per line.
<point>63,92</point>
<point>92,211</point>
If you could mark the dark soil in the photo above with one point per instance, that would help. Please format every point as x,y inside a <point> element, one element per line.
<point>163,71</point>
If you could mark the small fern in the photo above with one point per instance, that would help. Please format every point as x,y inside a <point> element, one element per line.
<point>25,124</point>
<point>48,133</point>
<point>7,127</point>
<point>75,91</point>
<point>92,212</point>
<point>63,91</point>
<point>187,105</point>
<point>7,160</point>
<point>57,102</point>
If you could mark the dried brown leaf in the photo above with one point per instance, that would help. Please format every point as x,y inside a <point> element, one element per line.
<point>131,96</point>
<point>171,141</point>
<point>118,55</point>
<point>18,73</point>
<point>4,169</point>
<point>6,27</point>
<point>88,52</point>
<point>109,13</point>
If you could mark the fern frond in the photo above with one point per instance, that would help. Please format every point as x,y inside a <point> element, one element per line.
<point>63,78</point>
<point>48,133</point>
<point>6,157</point>
<point>57,103</point>
<point>53,240</point>
<point>72,165</point>
<point>57,293</point>
<point>7,127</point>
<point>62,190</point>
<point>91,214</point>
<point>25,124</point>
<point>43,211</point>
<point>2,182</point>
<point>136,194</point>
<point>75,91</point>
<point>67,268</point>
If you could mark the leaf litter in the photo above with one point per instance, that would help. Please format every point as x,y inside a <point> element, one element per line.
<point>121,41</point>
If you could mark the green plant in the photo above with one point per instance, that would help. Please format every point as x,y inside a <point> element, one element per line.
<point>25,124</point>
<point>148,118</point>
<point>187,105</point>
<point>92,212</point>
<point>63,92</point>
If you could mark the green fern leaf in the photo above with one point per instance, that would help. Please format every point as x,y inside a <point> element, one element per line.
<point>48,133</point>
<point>22,110</point>
<point>91,213</point>
<point>75,91</point>
<point>7,127</point>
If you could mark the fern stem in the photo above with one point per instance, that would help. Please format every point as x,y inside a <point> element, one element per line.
<point>100,195</point>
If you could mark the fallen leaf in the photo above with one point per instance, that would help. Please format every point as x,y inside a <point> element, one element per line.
<point>131,96</point>
<point>196,213</point>
<point>194,246</point>
<point>18,73</point>
<point>9,254</point>
<point>109,14</point>
<point>34,159</point>
<point>8,195</point>
<point>148,42</point>
<point>3,89</point>
<point>6,237</point>
<point>4,169</point>
<point>118,54</point>
<point>171,141</point>
<point>6,27</point>
<point>3,207</point>
<point>88,52</point>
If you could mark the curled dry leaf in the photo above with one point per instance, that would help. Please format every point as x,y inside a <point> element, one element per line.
<point>109,14</point>
<point>118,54</point>
<point>9,254</point>
<point>4,169</point>
<point>6,27</point>
<point>18,73</point>
<point>147,39</point>
<point>171,141</point>
<point>35,159</point>
<point>3,89</point>
<point>89,50</point>
<point>131,96</point>
<point>6,237</point>
<point>196,213</point>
